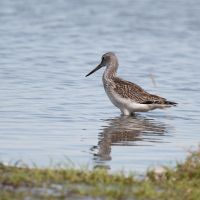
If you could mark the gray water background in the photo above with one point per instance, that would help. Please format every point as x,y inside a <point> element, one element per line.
<point>49,111</point>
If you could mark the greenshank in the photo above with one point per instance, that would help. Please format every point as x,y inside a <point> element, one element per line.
<point>127,96</point>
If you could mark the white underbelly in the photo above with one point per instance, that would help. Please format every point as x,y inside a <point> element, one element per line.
<point>127,106</point>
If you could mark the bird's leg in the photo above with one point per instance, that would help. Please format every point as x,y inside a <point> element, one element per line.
<point>125,112</point>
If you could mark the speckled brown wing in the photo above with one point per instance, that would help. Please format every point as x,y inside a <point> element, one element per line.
<point>132,91</point>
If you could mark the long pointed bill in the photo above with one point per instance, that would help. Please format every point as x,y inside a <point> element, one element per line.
<point>94,70</point>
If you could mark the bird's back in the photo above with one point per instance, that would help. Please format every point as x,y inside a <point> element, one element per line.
<point>135,93</point>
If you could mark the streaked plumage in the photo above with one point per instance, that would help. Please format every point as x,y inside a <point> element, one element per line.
<point>130,90</point>
<point>127,96</point>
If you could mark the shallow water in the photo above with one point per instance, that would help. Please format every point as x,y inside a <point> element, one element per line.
<point>50,112</point>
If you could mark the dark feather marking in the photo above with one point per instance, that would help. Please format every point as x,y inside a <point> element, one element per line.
<point>130,90</point>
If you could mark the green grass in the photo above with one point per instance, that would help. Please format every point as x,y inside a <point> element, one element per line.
<point>181,182</point>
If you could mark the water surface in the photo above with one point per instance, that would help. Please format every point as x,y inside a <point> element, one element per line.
<point>50,112</point>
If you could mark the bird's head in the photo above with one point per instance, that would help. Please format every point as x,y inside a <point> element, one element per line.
<point>106,60</point>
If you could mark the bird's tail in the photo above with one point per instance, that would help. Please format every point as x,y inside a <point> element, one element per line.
<point>171,103</point>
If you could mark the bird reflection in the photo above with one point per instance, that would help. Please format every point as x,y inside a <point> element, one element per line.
<point>126,131</point>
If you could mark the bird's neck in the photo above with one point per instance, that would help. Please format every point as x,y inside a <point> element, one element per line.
<point>111,71</point>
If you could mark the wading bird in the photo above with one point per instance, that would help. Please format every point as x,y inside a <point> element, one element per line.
<point>127,96</point>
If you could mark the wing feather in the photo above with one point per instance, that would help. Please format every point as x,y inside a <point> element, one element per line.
<point>130,90</point>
